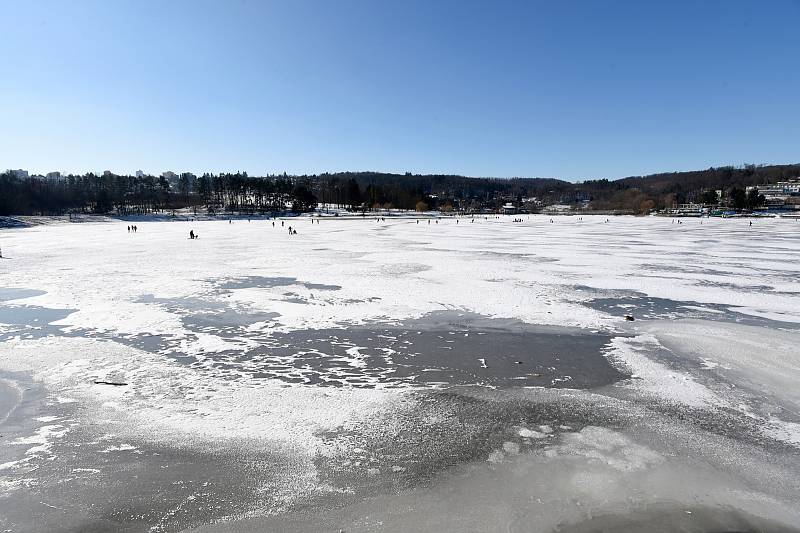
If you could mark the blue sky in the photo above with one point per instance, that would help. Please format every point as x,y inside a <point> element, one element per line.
<point>573,90</point>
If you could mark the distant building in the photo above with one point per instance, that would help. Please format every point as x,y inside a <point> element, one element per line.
<point>781,189</point>
<point>686,210</point>
<point>53,176</point>
<point>107,173</point>
<point>780,193</point>
<point>19,173</point>
<point>508,209</point>
<point>169,175</point>
<point>557,208</point>
<point>139,174</point>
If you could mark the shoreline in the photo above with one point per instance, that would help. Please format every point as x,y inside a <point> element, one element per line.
<point>28,221</point>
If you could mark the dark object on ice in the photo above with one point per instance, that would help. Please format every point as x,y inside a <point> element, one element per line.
<point>518,362</point>
<point>629,318</point>
<point>114,383</point>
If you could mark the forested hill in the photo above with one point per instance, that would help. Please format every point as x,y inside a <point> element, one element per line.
<point>443,181</point>
<point>90,193</point>
<point>686,184</point>
<point>405,190</point>
<point>635,193</point>
<point>712,178</point>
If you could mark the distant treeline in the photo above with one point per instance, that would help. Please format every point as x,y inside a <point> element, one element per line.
<point>90,193</point>
<point>362,191</point>
<point>670,188</point>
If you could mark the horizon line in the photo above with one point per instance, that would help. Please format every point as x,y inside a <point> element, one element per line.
<point>407,173</point>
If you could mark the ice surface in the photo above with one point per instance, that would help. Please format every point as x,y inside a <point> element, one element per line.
<point>767,358</point>
<point>517,271</point>
<point>589,474</point>
<point>171,401</point>
<point>707,421</point>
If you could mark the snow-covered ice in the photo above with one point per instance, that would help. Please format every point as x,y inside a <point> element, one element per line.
<point>264,373</point>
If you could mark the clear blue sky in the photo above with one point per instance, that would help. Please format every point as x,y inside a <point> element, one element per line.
<point>559,89</point>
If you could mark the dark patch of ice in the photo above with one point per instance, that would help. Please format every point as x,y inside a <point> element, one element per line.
<point>90,480</point>
<point>438,349</point>
<point>256,282</point>
<point>455,426</point>
<point>186,304</point>
<point>31,315</point>
<point>12,293</point>
<point>640,306</point>
<point>225,323</point>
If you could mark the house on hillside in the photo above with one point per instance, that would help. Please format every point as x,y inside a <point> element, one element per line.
<point>779,194</point>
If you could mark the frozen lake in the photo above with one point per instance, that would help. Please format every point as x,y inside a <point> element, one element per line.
<point>401,375</point>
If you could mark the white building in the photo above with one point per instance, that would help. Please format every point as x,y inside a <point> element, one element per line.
<point>509,208</point>
<point>778,193</point>
<point>557,208</point>
<point>19,173</point>
<point>55,176</point>
<point>169,175</point>
<point>782,188</point>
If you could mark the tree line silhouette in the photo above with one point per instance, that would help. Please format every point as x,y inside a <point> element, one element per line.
<point>363,191</point>
<point>124,195</point>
